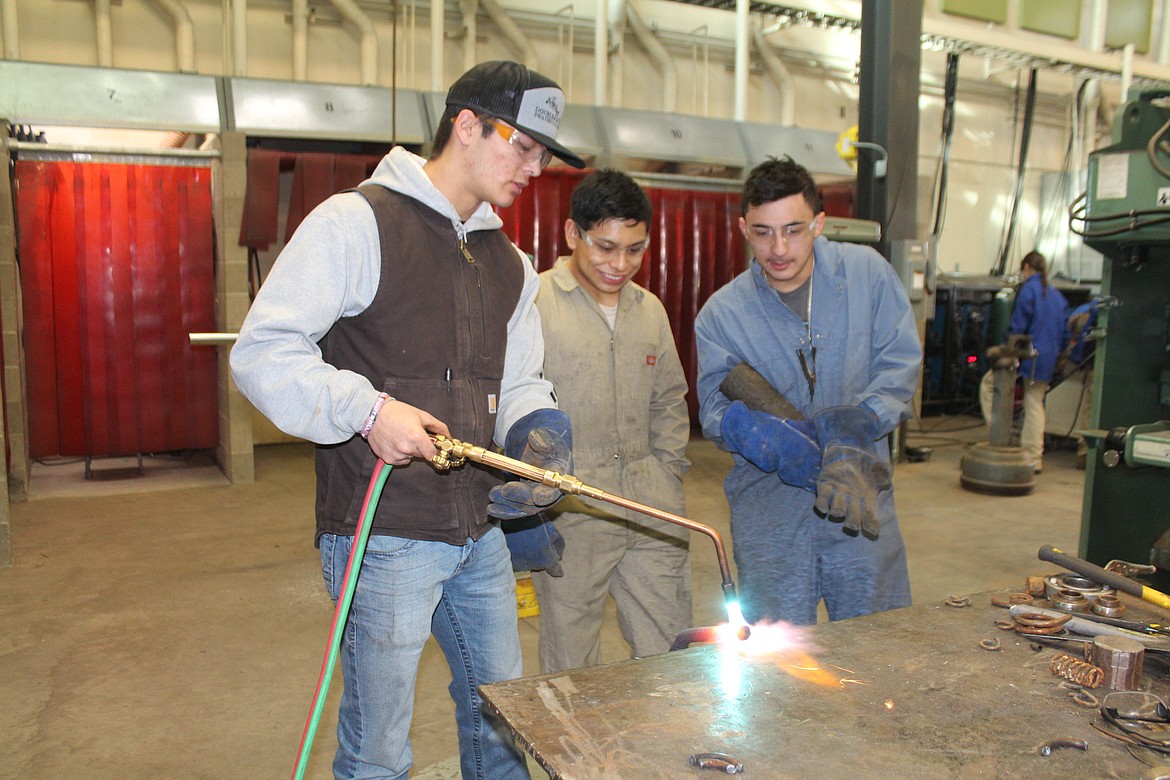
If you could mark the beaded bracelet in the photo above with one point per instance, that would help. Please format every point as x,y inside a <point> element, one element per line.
<point>369,426</point>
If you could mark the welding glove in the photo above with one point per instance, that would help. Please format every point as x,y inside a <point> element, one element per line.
<point>852,473</point>
<point>787,447</point>
<point>535,544</point>
<point>543,439</point>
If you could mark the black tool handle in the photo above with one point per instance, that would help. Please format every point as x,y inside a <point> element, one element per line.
<point>1090,570</point>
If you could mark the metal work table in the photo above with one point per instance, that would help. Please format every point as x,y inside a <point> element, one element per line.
<point>910,694</point>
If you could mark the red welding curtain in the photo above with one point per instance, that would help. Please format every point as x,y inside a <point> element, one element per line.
<point>117,267</point>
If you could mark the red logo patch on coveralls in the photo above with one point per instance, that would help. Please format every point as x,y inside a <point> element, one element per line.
<point>651,359</point>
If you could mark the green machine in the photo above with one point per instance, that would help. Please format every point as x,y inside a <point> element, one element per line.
<point>1125,215</point>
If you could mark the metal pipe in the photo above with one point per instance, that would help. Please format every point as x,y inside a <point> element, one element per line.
<point>743,46</point>
<point>369,38</point>
<point>300,39</point>
<point>213,338</point>
<point>8,20</point>
<point>565,55</point>
<point>1126,70</point>
<point>601,55</point>
<point>437,25</point>
<point>615,20</point>
<point>1163,28</point>
<point>121,153</point>
<point>103,33</point>
<point>779,73</point>
<point>240,37</point>
<point>469,9</point>
<point>184,33</point>
<point>516,37</point>
<point>659,54</point>
<point>453,452</point>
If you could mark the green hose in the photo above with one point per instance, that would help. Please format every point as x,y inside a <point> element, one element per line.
<point>349,584</point>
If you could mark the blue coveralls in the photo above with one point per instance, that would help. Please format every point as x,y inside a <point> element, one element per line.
<point>1044,317</point>
<point>868,354</point>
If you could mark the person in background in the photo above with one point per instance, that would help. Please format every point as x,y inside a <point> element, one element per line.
<point>397,312</point>
<point>1041,312</point>
<point>830,327</point>
<point>610,353</point>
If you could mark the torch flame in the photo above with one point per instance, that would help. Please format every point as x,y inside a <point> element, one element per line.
<point>735,617</point>
<point>785,644</point>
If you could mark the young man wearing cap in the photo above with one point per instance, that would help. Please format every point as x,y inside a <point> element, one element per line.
<point>397,312</point>
<point>610,353</point>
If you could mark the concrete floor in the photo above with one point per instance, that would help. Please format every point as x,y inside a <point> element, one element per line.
<point>172,625</point>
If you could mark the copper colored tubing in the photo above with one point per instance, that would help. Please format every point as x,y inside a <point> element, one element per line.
<point>452,452</point>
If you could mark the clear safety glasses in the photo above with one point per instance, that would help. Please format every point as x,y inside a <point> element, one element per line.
<point>612,250</point>
<point>791,234</point>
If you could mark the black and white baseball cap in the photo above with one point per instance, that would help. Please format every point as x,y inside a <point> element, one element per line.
<point>530,102</point>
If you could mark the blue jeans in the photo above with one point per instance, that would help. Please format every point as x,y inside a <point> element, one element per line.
<point>407,590</point>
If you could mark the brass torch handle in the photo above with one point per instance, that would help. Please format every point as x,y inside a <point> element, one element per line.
<point>453,451</point>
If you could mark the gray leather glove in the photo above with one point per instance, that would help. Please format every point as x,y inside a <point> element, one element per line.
<point>852,473</point>
<point>544,439</point>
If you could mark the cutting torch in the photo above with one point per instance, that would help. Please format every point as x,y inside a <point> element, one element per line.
<point>453,453</point>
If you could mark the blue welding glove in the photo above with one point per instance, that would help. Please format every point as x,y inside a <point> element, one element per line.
<point>535,544</point>
<point>543,439</point>
<point>852,474</point>
<point>787,447</point>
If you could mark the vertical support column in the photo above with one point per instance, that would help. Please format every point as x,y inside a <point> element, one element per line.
<point>743,48</point>
<point>891,63</point>
<point>230,180</point>
<point>15,433</point>
<point>601,55</point>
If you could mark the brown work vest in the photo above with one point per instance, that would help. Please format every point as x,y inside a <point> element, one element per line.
<point>433,337</point>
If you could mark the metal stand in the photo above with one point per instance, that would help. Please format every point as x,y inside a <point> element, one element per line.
<point>996,466</point>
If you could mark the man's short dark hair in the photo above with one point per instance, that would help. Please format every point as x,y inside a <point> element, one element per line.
<point>777,179</point>
<point>608,194</point>
<point>443,131</point>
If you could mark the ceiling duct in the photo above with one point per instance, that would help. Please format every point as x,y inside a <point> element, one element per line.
<point>816,150</point>
<point>654,142</point>
<point>106,97</point>
<point>295,109</point>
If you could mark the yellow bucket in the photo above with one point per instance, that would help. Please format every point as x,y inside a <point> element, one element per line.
<point>526,604</point>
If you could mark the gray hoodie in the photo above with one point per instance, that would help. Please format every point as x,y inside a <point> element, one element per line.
<point>329,270</point>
